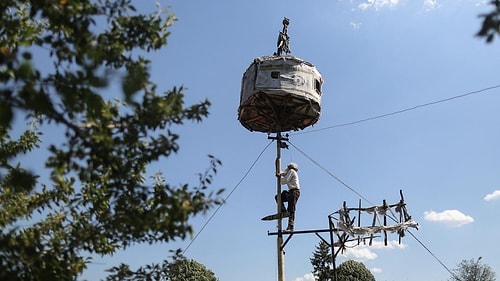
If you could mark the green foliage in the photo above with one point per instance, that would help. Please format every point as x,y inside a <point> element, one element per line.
<point>491,23</point>
<point>322,262</point>
<point>347,271</point>
<point>353,271</point>
<point>56,59</point>
<point>180,269</point>
<point>473,270</point>
<point>183,269</point>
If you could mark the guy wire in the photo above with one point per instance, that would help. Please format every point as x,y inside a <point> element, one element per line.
<point>330,173</point>
<point>362,197</point>
<point>400,111</point>
<point>227,197</point>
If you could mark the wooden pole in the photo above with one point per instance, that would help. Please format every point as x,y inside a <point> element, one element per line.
<point>332,245</point>
<point>385,221</point>
<point>279,240</point>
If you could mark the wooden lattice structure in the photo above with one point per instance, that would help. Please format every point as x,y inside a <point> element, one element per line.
<point>345,226</point>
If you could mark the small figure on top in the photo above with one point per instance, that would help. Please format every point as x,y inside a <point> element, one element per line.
<point>283,39</point>
<point>291,196</point>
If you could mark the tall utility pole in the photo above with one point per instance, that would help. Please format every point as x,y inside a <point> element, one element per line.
<point>279,240</point>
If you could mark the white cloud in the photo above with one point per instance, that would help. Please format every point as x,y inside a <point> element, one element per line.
<point>365,251</point>
<point>492,196</point>
<point>355,25</point>
<point>377,4</point>
<point>306,277</point>
<point>482,3</point>
<point>360,253</point>
<point>449,217</point>
<point>376,270</point>
<point>431,4</point>
<point>391,244</point>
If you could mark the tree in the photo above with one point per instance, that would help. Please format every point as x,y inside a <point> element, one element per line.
<point>322,262</point>
<point>353,271</point>
<point>180,269</point>
<point>491,23</point>
<point>472,270</point>
<point>57,58</point>
<point>183,269</point>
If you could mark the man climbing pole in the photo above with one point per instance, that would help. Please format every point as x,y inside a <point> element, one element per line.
<point>289,177</point>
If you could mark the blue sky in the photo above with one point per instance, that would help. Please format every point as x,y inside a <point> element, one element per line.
<point>376,57</point>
